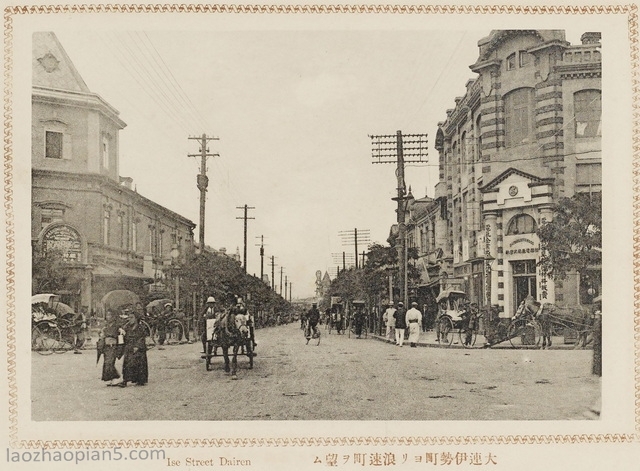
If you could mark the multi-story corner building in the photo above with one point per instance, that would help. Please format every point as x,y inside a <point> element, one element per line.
<point>111,236</point>
<point>526,132</point>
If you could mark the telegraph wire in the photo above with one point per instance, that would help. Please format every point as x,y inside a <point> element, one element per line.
<point>131,67</point>
<point>155,85</point>
<point>181,90</point>
<point>157,69</point>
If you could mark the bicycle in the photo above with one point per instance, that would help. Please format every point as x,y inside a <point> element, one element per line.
<point>309,335</point>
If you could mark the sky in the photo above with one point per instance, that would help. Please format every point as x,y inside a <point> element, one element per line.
<point>293,111</point>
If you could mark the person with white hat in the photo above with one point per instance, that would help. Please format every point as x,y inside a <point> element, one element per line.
<point>414,321</point>
<point>208,313</point>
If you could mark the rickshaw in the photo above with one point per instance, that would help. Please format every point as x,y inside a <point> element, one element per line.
<point>53,325</point>
<point>359,309</point>
<point>455,313</point>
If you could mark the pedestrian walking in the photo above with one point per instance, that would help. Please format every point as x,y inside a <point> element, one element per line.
<point>161,325</point>
<point>312,317</point>
<point>79,327</point>
<point>414,321</point>
<point>400,323</point>
<point>390,322</point>
<point>135,367</point>
<point>108,347</point>
<point>359,318</point>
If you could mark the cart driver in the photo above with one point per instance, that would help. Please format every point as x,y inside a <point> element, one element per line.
<point>208,322</point>
<point>250,321</point>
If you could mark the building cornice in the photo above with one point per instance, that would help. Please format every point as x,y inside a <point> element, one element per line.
<point>91,101</point>
<point>113,186</point>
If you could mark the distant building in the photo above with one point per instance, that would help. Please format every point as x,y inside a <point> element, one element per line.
<point>526,132</point>
<point>111,236</point>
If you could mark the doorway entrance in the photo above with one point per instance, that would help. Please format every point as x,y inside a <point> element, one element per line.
<point>524,280</point>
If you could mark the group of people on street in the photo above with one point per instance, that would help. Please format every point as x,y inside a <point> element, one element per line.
<point>398,319</point>
<point>124,337</point>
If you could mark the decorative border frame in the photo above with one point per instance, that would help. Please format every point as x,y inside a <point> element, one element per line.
<point>631,10</point>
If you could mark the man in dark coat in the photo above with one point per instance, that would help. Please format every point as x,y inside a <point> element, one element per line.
<point>135,368</point>
<point>313,317</point>
<point>401,323</point>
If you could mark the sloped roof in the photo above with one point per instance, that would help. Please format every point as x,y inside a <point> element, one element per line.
<point>52,67</point>
<point>511,171</point>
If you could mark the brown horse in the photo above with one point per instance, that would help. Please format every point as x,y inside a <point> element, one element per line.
<point>233,332</point>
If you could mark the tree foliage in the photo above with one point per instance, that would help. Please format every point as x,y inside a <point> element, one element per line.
<point>222,277</point>
<point>573,240</point>
<point>49,272</point>
<point>371,281</point>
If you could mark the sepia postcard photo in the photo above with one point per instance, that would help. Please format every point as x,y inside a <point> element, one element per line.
<point>312,236</point>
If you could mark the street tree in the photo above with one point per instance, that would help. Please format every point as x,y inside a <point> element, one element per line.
<point>50,273</point>
<point>572,241</point>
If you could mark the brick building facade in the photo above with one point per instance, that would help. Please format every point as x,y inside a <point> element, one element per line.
<point>111,236</point>
<point>526,133</point>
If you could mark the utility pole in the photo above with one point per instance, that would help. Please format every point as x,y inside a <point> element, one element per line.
<point>363,255</point>
<point>392,149</point>
<point>341,258</point>
<point>363,237</point>
<point>285,287</point>
<point>202,180</point>
<point>273,264</point>
<point>245,217</point>
<point>261,258</point>
<point>281,268</point>
<point>290,298</point>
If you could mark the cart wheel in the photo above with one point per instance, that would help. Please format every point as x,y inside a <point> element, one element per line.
<point>523,333</point>
<point>67,337</point>
<point>148,337</point>
<point>175,332</point>
<point>45,337</point>
<point>468,337</point>
<point>446,331</point>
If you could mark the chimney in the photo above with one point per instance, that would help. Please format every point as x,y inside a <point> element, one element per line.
<point>591,38</point>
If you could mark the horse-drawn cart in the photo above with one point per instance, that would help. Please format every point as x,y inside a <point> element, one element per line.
<point>228,329</point>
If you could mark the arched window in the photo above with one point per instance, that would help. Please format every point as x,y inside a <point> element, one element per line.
<point>518,116</point>
<point>521,224</point>
<point>524,58</point>
<point>587,108</point>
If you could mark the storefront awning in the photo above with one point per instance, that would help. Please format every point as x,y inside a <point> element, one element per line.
<point>430,284</point>
<point>111,271</point>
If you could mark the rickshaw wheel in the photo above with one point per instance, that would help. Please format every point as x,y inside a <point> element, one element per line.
<point>472,336</point>
<point>45,338</point>
<point>446,330</point>
<point>148,338</point>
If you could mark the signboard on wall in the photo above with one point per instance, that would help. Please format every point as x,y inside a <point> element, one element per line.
<point>64,239</point>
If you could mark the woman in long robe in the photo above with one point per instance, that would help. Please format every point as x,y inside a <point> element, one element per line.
<point>134,366</point>
<point>110,347</point>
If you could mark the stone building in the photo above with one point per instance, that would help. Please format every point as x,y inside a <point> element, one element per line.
<point>526,132</point>
<point>111,236</point>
